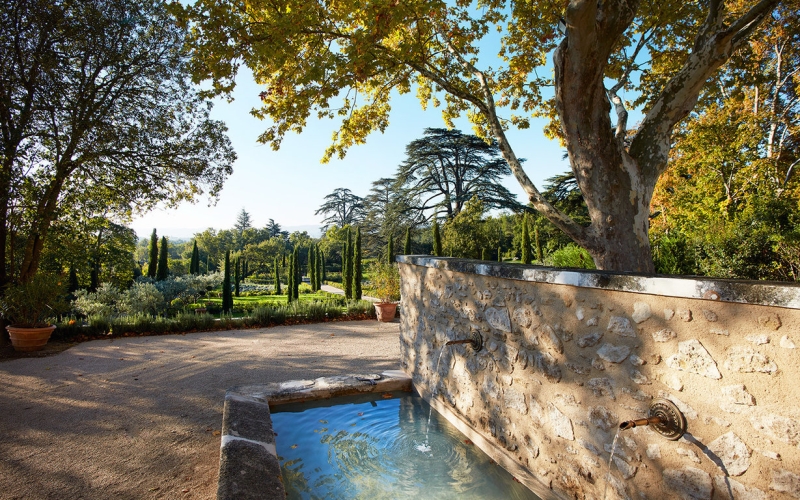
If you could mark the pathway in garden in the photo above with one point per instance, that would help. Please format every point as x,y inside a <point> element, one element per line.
<point>339,291</point>
<point>140,417</point>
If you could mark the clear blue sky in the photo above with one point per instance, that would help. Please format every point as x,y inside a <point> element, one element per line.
<point>289,185</point>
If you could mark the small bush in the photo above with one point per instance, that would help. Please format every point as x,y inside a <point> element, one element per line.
<point>572,256</point>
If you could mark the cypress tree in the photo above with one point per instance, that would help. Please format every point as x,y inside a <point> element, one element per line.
<point>277,278</point>
<point>407,246</point>
<point>163,260</point>
<point>322,265</point>
<point>538,244</point>
<point>357,265</point>
<point>73,280</point>
<point>484,254</point>
<point>298,274</point>
<point>499,255</point>
<point>317,274</point>
<point>347,272</point>
<point>153,265</point>
<point>312,268</point>
<point>194,263</point>
<point>437,240</point>
<point>290,279</point>
<point>390,250</point>
<point>227,296</point>
<point>237,276</point>
<point>94,276</point>
<point>526,241</point>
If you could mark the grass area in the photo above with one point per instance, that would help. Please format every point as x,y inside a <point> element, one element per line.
<point>258,300</point>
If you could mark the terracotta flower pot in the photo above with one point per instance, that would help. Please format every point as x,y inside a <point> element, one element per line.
<point>385,311</point>
<point>28,339</point>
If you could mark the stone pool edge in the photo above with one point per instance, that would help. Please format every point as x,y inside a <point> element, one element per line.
<point>248,465</point>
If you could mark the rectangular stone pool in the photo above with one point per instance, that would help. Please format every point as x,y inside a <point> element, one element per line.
<point>387,445</point>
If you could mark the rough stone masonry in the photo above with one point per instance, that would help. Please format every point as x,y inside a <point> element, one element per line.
<point>568,355</point>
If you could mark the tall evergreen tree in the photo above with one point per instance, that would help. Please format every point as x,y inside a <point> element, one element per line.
<point>499,254</point>
<point>163,260</point>
<point>298,277</point>
<point>437,240</point>
<point>277,278</point>
<point>194,263</point>
<point>484,254</point>
<point>526,241</point>
<point>538,244</point>
<point>407,246</point>
<point>312,268</point>
<point>290,279</point>
<point>153,264</point>
<point>357,266</point>
<point>74,286</point>
<point>390,250</point>
<point>322,265</point>
<point>237,276</point>
<point>347,276</point>
<point>227,295</point>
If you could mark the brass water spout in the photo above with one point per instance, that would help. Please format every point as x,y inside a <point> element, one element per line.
<point>630,424</point>
<point>475,341</point>
<point>663,417</point>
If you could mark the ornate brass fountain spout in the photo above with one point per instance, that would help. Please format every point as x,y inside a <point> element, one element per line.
<point>663,417</point>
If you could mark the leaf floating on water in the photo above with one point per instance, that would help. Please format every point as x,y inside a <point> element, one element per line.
<point>388,395</point>
<point>323,421</point>
<point>361,414</point>
<point>294,446</point>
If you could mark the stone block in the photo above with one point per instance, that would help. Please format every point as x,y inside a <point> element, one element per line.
<point>669,314</point>
<point>641,312</point>
<point>498,319</point>
<point>653,451</point>
<point>787,343</point>
<point>685,314</point>
<point>778,427</point>
<point>737,394</point>
<point>590,340</point>
<point>710,316</point>
<point>515,400</point>
<point>719,331</point>
<point>602,418</point>
<point>621,326</point>
<point>598,364</point>
<point>636,360</point>
<point>579,369</point>
<point>561,424</point>
<point>694,358</point>
<point>688,483</point>
<point>770,320</point>
<point>612,353</point>
<point>785,482</point>
<point>627,470</point>
<point>732,452</point>
<point>726,488</point>
<point>601,387</point>
<point>550,340</point>
<point>688,455</point>
<point>745,359</point>
<point>664,335</point>
<point>638,377</point>
<point>759,339</point>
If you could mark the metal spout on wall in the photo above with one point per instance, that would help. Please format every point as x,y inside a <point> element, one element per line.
<point>475,341</point>
<point>663,417</point>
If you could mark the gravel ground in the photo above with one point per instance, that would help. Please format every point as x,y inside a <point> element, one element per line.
<point>140,417</point>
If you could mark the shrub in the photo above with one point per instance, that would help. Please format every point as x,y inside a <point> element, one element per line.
<point>103,302</point>
<point>572,256</point>
<point>141,298</point>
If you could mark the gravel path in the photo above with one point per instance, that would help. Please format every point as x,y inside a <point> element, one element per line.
<point>140,417</point>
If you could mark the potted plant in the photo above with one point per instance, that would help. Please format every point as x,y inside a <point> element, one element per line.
<point>386,282</point>
<point>27,306</point>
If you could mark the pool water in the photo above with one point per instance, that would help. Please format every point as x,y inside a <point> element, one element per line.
<point>381,447</point>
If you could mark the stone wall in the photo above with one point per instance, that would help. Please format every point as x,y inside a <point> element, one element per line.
<point>569,355</point>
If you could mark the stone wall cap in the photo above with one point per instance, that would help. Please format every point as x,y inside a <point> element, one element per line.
<point>767,293</point>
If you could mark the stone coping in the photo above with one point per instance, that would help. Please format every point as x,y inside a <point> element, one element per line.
<point>248,466</point>
<point>767,293</point>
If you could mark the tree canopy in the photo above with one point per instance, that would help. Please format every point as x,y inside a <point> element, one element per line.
<point>95,102</point>
<point>341,208</point>
<point>344,59</point>
<point>445,168</point>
